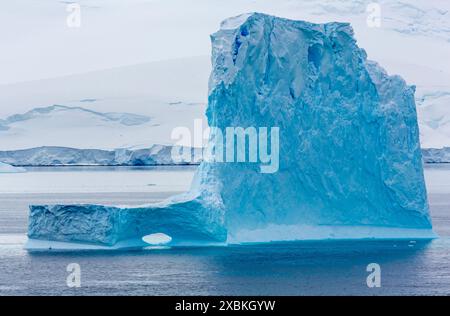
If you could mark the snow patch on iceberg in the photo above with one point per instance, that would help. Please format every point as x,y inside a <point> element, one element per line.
<point>350,158</point>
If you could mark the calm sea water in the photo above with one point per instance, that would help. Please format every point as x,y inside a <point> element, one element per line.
<point>323,268</point>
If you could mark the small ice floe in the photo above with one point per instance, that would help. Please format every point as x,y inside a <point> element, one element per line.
<point>5,168</point>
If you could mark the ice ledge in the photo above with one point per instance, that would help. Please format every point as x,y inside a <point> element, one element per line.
<point>36,245</point>
<point>274,233</point>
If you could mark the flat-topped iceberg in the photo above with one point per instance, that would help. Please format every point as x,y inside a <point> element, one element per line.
<point>350,164</point>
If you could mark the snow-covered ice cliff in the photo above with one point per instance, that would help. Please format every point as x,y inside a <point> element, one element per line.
<point>62,156</point>
<point>155,155</point>
<point>432,155</point>
<point>350,161</point>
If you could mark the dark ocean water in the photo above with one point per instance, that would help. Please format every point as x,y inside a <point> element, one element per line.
<point>306,268</point>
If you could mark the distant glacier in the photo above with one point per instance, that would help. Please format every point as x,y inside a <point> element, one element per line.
<point>157,155</point>
<point>63,156</point>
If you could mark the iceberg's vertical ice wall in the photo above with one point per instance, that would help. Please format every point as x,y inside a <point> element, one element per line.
<point>349,139</point>
<point>350,162</point>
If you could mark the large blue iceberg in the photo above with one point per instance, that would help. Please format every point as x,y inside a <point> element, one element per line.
<point>350,164</point>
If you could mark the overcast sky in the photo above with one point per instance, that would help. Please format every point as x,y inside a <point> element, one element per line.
<point>37,42</point>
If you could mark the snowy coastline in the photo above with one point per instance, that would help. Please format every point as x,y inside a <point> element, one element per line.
<point>6,168</point>
<point>157,155</point>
